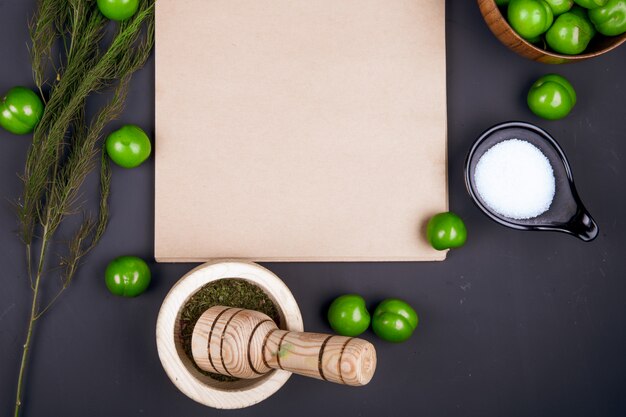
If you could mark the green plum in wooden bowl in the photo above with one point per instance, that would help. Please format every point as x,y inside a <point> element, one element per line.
<point>557,27</point>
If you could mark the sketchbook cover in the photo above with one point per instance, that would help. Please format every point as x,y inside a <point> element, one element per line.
<point>299,130</point>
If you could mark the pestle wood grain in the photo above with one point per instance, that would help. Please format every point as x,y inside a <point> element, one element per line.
<point>247,344</point>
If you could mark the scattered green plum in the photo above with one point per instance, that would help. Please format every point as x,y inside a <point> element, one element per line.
<point>551,97</point>
<point>127,276</point>
<point>20,111</point>
<point>446,231</point>
<point>129,146</point>
<point>118,10</point>
<point>394,320</point>
<point>348,315</point>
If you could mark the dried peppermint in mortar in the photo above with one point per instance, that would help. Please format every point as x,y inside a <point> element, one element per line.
<point>230,292</point>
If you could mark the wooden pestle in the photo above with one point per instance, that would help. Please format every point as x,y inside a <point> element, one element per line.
<point>246,344</point>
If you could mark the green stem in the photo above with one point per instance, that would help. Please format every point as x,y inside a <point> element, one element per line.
<point>31,326</point>
<point>29,267</point>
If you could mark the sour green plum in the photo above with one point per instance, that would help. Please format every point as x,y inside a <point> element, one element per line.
<point>127,276</point>
<point>348,315</point>
<point>446,231</point>
<point>560,6</point>
<point>610,20</point>
<point>551,97</point>
<point>394,320</point>
<point>20,110</point>
<point>571,33</point>
<point>118,10</point>
<point>530,18</point>
<point>129,146</point>
<point>591,4</point>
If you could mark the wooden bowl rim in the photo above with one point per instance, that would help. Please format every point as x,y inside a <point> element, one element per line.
<point>169,355</point>
<point>620,39</point>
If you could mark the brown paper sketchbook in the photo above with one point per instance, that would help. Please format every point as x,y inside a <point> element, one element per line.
<point>299,130</point>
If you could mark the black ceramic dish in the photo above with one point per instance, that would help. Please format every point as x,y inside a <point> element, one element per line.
<point>566,213</point>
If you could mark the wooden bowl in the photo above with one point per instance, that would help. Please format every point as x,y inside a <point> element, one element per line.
<point>180,368</point>
<point>505,33</point>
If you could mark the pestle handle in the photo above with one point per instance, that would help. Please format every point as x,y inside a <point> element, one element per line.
<point>247,344</point>
<point>339,359</point>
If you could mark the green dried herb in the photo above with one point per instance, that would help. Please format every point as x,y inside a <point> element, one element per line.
<point>225,292</point>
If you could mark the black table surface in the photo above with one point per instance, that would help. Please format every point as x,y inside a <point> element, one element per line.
<point>514,324</point>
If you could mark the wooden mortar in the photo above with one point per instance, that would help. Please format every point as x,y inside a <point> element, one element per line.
<point>181,369</point>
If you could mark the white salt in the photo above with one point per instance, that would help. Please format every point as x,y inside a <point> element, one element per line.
<point>515,179</point>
